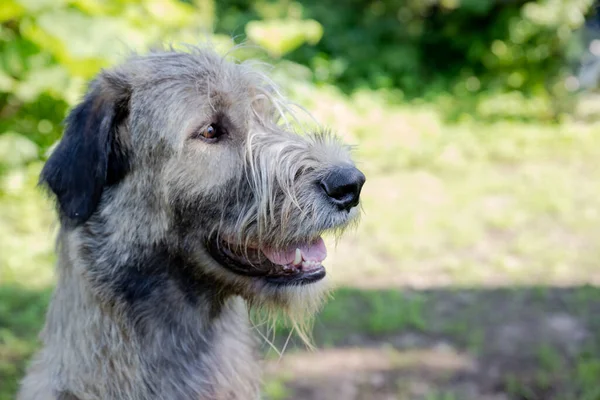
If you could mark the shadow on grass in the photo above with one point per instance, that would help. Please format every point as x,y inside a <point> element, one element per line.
<point>534,343</point>
<point>529,343</point>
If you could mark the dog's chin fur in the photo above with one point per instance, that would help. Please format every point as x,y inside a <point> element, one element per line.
<point>295,306</point>
<point>292,306</point>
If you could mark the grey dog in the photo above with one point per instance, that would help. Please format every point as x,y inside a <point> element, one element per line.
<point>184,200</point>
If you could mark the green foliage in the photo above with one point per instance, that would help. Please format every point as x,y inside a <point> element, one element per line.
<point>50,49</point>
<point>282,36</point>
<point>472,49</point>
<point>21,317</point>
<point>484,57</point>
<point>26,248</point>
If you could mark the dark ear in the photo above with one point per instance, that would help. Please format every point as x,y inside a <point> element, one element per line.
<point>90,155</point>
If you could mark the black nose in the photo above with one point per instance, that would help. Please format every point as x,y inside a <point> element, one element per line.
<point>343,186</point>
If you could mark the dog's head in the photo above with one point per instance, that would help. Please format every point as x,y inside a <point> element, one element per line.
<point>191,148</point>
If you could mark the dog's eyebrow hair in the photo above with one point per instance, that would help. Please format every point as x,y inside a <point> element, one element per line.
<point>164,253</point>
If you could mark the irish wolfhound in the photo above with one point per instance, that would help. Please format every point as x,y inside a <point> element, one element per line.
<point>184,201</point>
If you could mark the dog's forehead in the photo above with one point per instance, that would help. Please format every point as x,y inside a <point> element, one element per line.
<point>204,72</point>
<point>201,80</point>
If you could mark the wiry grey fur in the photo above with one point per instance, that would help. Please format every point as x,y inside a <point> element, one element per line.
<point>141,311</point>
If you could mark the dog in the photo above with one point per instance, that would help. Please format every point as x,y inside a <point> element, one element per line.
<point>185,200</point>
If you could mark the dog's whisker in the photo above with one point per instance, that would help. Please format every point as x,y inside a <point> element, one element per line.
<point>269,342</point>
<point>287,340</point>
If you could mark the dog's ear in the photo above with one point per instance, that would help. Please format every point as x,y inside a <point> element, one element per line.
<point>90,155</point>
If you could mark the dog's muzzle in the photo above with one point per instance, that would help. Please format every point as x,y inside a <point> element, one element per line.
<point>301,262</point>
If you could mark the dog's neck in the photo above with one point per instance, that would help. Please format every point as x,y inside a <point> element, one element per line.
<point>142,319</point>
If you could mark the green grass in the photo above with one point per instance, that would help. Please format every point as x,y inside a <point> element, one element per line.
<point>385,312</point>
<point>441,396</point>
<point>275,389</point>
<point>455,209</point>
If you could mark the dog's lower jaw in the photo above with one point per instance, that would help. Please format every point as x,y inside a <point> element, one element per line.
<point>93,350</point>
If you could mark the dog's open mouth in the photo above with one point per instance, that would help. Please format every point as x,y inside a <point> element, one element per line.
<point>299,264</point>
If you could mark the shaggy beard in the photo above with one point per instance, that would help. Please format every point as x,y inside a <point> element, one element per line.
<point>293,307</point>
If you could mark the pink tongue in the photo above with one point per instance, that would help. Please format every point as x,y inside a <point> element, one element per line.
<point>315,251</point>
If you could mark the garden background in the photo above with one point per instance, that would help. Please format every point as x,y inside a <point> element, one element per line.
<point>474,274</point>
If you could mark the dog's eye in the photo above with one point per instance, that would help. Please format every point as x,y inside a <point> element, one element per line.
<point>210,133</point>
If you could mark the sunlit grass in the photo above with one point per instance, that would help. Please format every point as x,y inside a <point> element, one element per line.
<point>492,204</point>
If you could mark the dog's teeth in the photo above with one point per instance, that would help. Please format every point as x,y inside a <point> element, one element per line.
<point>308,265</point>
<point>298,258</point>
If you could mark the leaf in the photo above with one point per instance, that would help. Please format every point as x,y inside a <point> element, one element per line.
<point>477,6</point>
<point>81,43</point>
<point>38,5</point>
<point>279,36</point>
<point>10,10</point>
<point>6,82</point>
<point>53,79</point>
<point>173,13</point>
<point>16,149</point>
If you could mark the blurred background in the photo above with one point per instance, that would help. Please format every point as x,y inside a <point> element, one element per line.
<point>474,274</point>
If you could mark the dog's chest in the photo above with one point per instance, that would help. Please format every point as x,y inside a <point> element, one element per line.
<point>223,366</point>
